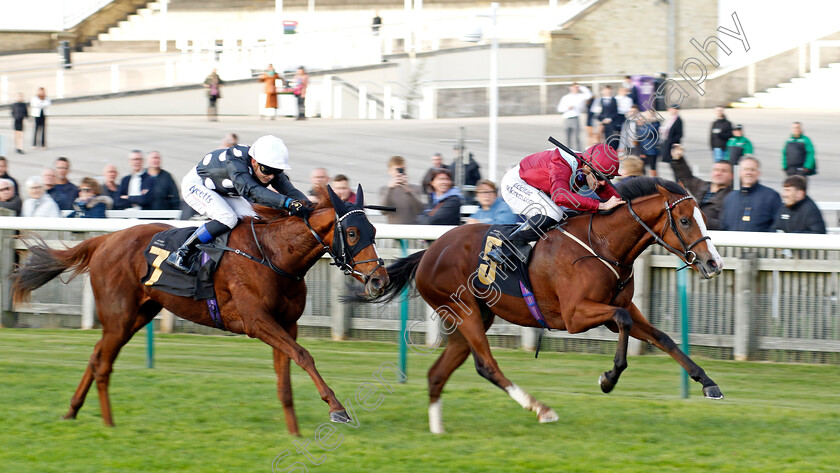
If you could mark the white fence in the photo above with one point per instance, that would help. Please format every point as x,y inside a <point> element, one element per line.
<point>776,300</point>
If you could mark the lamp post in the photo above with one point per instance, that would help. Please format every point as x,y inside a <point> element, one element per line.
<point>493,139</point>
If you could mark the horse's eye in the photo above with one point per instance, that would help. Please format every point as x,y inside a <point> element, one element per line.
<point>351,234</point>
<point>684,221</point>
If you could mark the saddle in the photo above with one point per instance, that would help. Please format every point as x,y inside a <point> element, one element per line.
<point>512,282</point>
<point>199,283</point>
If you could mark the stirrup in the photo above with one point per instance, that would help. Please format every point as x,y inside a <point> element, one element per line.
<point>176,260</point>
<point>497,256</point>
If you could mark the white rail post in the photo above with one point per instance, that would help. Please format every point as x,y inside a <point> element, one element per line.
<point>339,315</point>
<point>528,337</point>
<point>745,282</point>
<point>641,296</point>
<point>88,303</point>
<point>8,318</point>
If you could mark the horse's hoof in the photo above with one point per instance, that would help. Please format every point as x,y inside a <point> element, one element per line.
<point>339,417</point>
<point>547,416</point>
<point>712,392</point>
<point>606,385</point>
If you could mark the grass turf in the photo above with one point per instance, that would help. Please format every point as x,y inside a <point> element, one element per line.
<point>210,406</point>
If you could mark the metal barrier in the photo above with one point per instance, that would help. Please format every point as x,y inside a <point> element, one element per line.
<point>777,298</point>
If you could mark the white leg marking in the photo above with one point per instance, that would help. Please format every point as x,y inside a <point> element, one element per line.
<point>436,417</point>
<point>698,216</point>
<point>524,399</point>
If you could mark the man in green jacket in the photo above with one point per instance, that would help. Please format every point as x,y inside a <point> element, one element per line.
<point>738,145</point>
<point>798,153</point>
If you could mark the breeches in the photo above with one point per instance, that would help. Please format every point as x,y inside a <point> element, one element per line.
<point>207,202</point>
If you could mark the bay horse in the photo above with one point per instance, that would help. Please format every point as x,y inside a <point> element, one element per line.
<point>263,300</point>
<point>576,288</point>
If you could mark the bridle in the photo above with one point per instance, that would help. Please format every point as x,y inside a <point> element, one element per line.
<point>688,256</point>
<point>343,254</point>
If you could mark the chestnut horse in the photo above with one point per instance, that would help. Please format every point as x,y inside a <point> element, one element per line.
<point>255,298</point>
<point>576,289</point>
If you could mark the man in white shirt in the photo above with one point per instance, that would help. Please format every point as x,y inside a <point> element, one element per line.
<point>135,189</point>
<point>572,105</point>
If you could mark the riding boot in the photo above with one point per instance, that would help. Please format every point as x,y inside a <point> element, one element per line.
<point>530,230</point>
<point>179,259</point>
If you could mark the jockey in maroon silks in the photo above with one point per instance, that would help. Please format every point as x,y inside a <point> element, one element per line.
<point>547,185</point>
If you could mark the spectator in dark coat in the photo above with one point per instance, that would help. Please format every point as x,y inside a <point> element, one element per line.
<point>110,187</point>
<point>165,195</point>
<point>670,133</point>
<point>648,140</point>
<point>63,192</point>
<point>609,115</point>
<point>799,214</point>
<point>721,132</point>
<point>19,113</point>
<point>754,207</point>
<point>437,163</point>
<point>444,206</point>
<point>472,173</point>
<point>8,199</point>
<point>90,203</point>
<point>136,188</point>
<point>4,165</point>
<point>709,194</point>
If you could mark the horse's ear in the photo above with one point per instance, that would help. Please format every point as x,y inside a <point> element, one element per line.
<point>337,203</point>
<point>360,197</point>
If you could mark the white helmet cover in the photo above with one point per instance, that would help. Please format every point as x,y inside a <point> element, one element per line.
<point>270,151</point>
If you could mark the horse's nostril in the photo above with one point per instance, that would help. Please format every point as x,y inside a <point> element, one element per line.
<point>376,283</point>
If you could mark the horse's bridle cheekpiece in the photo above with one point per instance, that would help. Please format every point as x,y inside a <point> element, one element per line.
<point>343,254</point>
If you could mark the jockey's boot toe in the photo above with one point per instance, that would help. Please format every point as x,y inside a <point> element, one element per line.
<point>498,256</point>
<point>177,258</point>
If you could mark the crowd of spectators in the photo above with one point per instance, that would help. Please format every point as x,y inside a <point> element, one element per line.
<point>52,194</point>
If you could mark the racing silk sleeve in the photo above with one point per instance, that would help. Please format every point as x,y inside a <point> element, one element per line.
<point>248,187</point>
<point>560,176</point>
<point>283,185</point>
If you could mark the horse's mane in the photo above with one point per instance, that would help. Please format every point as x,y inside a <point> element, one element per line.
<point>269,213</point>
<point>642,186</point>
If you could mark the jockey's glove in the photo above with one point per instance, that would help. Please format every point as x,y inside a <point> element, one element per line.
<point>297,208</point>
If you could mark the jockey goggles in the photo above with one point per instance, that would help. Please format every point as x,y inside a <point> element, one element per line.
<point>269,170</point>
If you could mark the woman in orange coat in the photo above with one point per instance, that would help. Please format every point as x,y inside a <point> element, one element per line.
<point>269,78</point>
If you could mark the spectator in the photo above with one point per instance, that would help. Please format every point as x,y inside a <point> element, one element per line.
<point>110,186</point>
<point>798,153</point>
<point>19,112</point>
<point>39,203</point>
<point>405,197</point>
<point>165,195</point>
<point>318,177</point>
<point>631,166</point>
<point>301,83</point>
<point>572,105</point>
<point>136,188</point>
<point>4,166</point>
<point>607,108</point>
<point>799,214</point>
<point>444,207</point>
<point>376,24</point>
<point>649,140</point>
<point>754,207</point>
<point>341,186</point>
<point>471,171</point>
<point>38,106</point>
<point>8,198</point>
<point>63,192</point>
<point>659,96</point>
<point>738,145</point>
<point>48,178</point>
<point>721,132</point>
<point>90,204</point>
<point>231,139</point>
<point>629,136</point>
<point>670,133</point>
<point>632,90</point>
<point>269,80</point>
<point>492,208</point>
<point>710,195</point>
<point>591,129</point>
<point>625,104</point>
<point>213,83</point>
<point>437,163</point>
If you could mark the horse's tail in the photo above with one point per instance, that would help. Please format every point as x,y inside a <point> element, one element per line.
<point>400,275</point>
<point>44,264</point>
